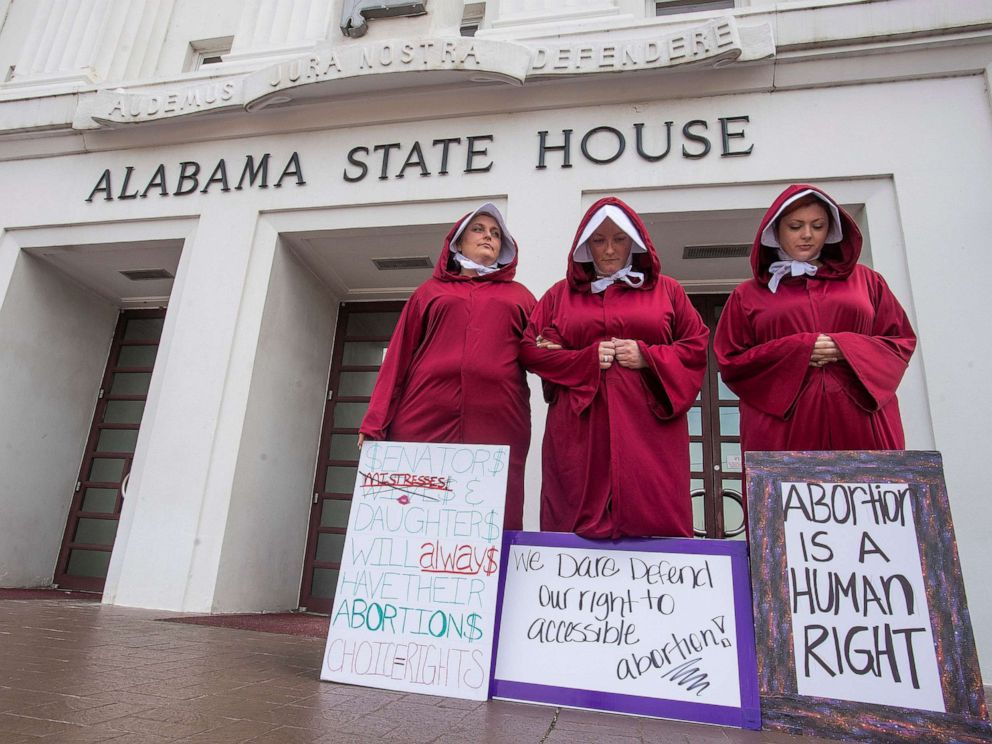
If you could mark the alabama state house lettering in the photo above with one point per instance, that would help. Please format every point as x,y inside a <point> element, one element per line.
<point>650,142</point>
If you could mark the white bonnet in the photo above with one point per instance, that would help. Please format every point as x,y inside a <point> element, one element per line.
<point>769,235</point>
<point>620,219</point>
<point>508,246</point>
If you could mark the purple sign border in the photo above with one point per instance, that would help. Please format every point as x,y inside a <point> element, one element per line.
<point>748,715</point>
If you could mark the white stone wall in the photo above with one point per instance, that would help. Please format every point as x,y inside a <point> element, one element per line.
<point>16,16</point>
<point>260,566</point>
<point>55,336</point>
<point>193,20</point>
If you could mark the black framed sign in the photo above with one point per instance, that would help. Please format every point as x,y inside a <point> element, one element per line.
<point>865,632</point>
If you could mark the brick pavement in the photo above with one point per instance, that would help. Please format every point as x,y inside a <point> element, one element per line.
<point>77,671</point>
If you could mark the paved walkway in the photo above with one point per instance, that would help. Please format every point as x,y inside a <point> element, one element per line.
<point>77,671</point>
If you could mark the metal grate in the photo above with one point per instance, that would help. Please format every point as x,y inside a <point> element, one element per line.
<point>405,262</point>
<point>739,250</point>
<point>146,275</point>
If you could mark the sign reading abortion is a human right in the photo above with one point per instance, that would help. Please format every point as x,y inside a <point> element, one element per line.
<point>415,603</point>
<point>855,567</point>
<point>860,619</point>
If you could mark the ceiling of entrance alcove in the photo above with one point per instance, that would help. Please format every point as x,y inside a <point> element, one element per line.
<point>671,232</point>
<point>97,267</point>
<point>343,258</point>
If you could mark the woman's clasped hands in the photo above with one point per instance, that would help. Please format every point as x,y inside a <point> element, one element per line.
<point>825,351</point>
<point>624,351</point>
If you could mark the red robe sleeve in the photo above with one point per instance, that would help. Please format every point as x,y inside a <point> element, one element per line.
<point>675,370</point>
<point>391,380</point>
<point>880,359</point>
<point>769,375</point>
<point>574,369</point>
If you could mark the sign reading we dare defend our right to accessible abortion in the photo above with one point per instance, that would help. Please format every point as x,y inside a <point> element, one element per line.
<point>653,627</point>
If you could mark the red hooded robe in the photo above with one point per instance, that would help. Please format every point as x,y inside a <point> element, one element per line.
<point>764,341</point>
<point>616,445</point>
<point>451,372</point>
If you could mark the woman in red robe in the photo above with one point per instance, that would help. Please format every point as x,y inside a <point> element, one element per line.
<point>451,372</point>
<point>622,353</point>
<point>815,344</point>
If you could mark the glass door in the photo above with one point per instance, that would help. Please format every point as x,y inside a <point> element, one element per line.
<point>96,502</point>
<point>715,444</point>
<point>363,332</point>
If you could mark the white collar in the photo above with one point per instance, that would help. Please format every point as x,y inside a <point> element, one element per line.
<point>481,269</point>
<point>626,275</point>
<point>786,265</point>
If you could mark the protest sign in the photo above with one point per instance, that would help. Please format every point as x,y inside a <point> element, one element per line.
<point>854,565</point>
<point>658,627</point>
<point>416,595</point>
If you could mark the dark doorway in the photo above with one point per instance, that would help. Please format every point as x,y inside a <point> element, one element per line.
<point>98,497</point>
<point>715,444</point>
<point>360,340</point>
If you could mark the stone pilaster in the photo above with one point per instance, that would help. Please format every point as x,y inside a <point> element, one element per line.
<point>61,41</point>
<point>278,28</point>
<point>92,41</point>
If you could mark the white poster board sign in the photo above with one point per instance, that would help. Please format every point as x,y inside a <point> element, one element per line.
<point>864,629</point>
<point>860,620</point>
<point>415,603</point>
<point>656,627</point>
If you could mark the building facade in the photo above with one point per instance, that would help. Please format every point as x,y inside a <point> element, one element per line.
<point>212,213</point>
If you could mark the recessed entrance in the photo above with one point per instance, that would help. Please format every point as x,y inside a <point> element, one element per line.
<point>360,341</point>
<point>84,311</point>
<point>362,335</point>
<point>102,484</point>
<point>369,263</point>
<point>703,247</point>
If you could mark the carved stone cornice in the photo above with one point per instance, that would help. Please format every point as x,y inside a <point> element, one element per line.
<point>333,70</point>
